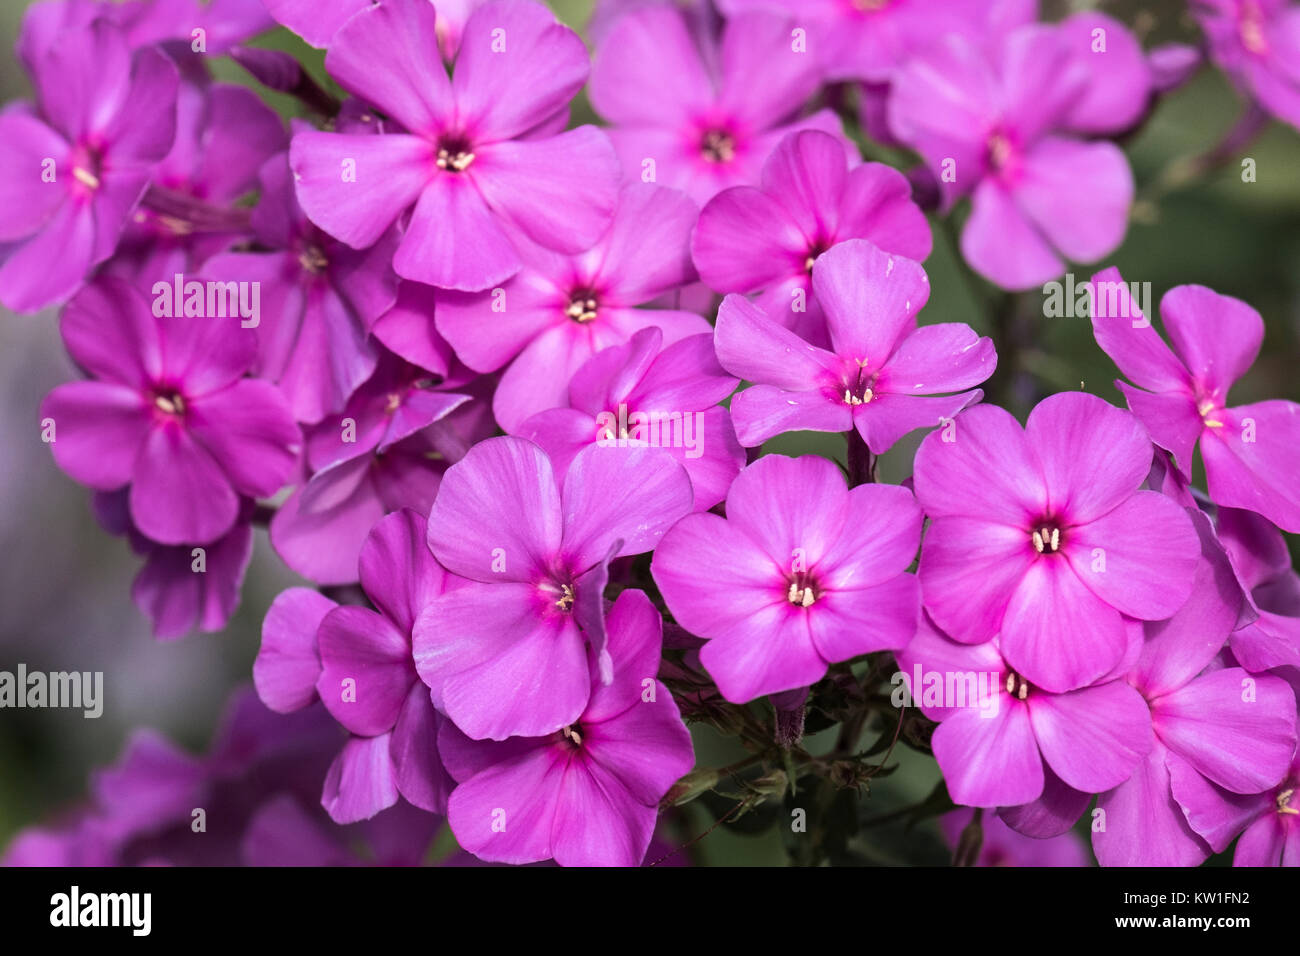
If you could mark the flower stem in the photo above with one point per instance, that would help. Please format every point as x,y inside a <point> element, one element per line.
<point>861,463</point>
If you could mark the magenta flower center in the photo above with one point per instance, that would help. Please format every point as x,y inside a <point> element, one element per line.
<point>999,150</point>
<point>1017,686</point>
<point>1284,802</point>
<point>169,402</point>
<point>1046,537</point>
<point>815,249</point>
<point>859,387</point>
<point>559,595</point>
<point>572,736</point>
<point>87,166</point>
<point>455,154</point>
<point>312,259</point>
<point>803,591</point>
<point>869,6</point>
<point>718,146</point>
<point>582,306</point>
<point>1251,27</point>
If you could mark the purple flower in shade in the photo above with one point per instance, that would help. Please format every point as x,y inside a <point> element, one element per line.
<point>637,394</point>
<point>1251,452</point>
<point>223,136</point>
<point>73,169</point>
<point>1260,558</point>
<point>870,39</point>
<point>999,126</point>
<point>1221,734</point>
<point>319,298</point>
<point>701,17</point>
<point>1257,43</point>
<point>169,22</point>
<point>316,21</point>
<point>802,573</point>
<point>1041,537</point>
<point>259,786</point>
<point>465,165</point>
<point>766,239</point>
<point>1271,820</point>
<point>183,587</point>
<point>1001,739</point>
<point>561,310</point>
<point>387,450</point>
<point>588,793</point>
<point>1003,846</point>
<point>169,412</point>
<point>358,661</point>
<point>506,654</point>
<point>882,372</point>
<point>698,119</point>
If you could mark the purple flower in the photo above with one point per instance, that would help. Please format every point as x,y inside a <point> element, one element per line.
<point>73,169</point>
<point>258,786</point>
<point>1257,43</point>
<point>466,164</point>
<point>1041,537</point>
<point>1000,738</point>
<point>1272,828</point>
<point>869,39</point>
<point>1250,451</point>
<point>183,587</point>
<point>169,412</point>
<point>1003,846</point>
<point>587,794</point>
<point>506,654</point>
<point>319,298</point>
<point>702,119</point>
<point>1220,734</point>
<point>802,573</point>
<point>387,450</point>
<point>997,125</point>
<point>316,21</point>
<point>359,662</point>
<point>559,311</point>
<point>1262,563</point>
<point>223,136</point>
<point>637,394</point>
<point>882,374</point>
<point>752,239</point>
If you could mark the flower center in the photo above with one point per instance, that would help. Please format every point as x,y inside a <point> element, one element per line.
<point>1017,686</point>
<point>455,154</point>
<point>572,734</point>
<point>565,601</point>
<point>1046,538</point>
<point>814,250</point>
<point>313,259</point>
<point>718,146</point>
<point>582,306</point>
<point>858,390</point>
<point>1284,802</point>
<point>870,6</point>
<point>803,591</point>
<point>1208,407</point>
<point>169,402</point>
<point>999,150</point>
<point>1251,27</point>
<point>86,166</point>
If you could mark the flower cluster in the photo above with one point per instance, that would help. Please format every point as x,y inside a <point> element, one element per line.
<point>474,367</point>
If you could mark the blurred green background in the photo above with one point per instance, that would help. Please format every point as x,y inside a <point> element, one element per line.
<point>65,584</point>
